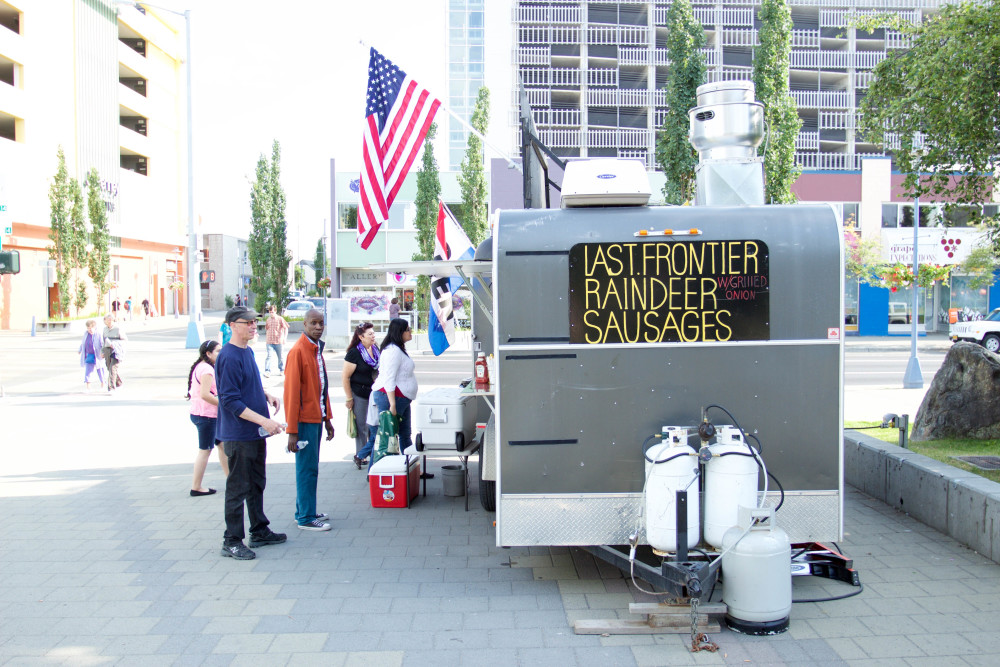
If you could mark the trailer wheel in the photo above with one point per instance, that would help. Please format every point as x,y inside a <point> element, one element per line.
<point>419,442</point>
<point>459,441</point>
<point>487,489</point>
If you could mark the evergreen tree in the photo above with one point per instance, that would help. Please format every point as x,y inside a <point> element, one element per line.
<point>472,179</point>
<point>60,232</point>
<point>281,256</point>
<point>267,247</point>
<point>258,246</point>
<point>674,154</point>
<point>770,77</point>
<point>428,196</point>
<point>77,245</point>
<point>320,260</point>
<point>99,257</point>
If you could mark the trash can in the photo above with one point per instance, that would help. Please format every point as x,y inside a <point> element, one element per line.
<point>454,480</point>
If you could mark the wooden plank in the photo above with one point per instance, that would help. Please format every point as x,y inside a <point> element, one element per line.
<point>615,626</point>
<point>660,608</point>
<point>673,620</point>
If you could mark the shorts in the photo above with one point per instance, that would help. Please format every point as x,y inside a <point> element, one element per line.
<point>206,431</point>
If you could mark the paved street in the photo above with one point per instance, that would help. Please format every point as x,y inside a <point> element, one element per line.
<point>105,559</point>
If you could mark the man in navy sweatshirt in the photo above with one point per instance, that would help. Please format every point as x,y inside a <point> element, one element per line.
<point>243,419</point>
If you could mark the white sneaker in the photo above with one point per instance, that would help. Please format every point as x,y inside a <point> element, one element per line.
<point>267,374</point>
<point>315,524</point>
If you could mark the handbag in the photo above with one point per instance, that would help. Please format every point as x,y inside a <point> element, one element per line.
<point>387,440</point>
<point>352,425</point>
<point>90,358</point>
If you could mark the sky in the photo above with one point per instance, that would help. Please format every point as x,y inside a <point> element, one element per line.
<point>295,71</point>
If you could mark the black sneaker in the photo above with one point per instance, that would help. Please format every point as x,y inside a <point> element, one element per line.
<point>237,551</point>
<point>269,537</point>
<point>358,462</point>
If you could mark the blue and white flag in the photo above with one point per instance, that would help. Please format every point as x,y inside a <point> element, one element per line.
<point>450,242</point>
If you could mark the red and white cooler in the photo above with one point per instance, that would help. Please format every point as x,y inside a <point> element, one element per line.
<point>391,484</point>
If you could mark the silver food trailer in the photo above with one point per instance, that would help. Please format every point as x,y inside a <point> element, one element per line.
<point>615,325</point>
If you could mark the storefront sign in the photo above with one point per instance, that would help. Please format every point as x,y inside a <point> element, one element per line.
<point>364,278</point>
<point>677,291</point>
<point>935,245</point>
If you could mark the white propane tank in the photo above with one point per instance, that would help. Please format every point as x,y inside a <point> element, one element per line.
<point>677,471</point>
<point>757,575</point>
<point>730,483</point>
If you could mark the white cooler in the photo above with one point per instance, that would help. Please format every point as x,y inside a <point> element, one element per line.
<point>445,419</point>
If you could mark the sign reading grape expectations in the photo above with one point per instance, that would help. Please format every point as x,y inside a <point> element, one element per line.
<point>669,291</point>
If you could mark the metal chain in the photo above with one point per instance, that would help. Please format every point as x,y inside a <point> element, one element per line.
<point>699,640</point>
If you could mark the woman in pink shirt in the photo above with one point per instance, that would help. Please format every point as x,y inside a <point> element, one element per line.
<point>204,411</point>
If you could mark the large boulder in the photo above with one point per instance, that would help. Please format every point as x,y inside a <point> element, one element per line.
<point>962,401</point>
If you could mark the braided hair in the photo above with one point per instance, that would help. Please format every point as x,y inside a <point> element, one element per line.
<point>203,352</point>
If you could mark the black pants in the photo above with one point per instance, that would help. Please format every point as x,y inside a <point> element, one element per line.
<point>245,483</point>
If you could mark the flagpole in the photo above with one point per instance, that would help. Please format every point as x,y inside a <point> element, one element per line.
<point>481,137</point>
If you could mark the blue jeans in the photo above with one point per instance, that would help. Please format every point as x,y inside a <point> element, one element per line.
<point>267,360</point>
<point>402,411</point>
<point>306,473</point>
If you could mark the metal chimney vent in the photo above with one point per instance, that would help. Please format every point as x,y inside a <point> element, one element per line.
<point>725,128</point>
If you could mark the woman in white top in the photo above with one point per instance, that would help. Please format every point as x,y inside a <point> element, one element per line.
<point>396,386</point>
<point>204,412</point>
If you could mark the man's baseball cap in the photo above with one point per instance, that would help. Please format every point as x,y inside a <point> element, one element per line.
<point>240,313</point>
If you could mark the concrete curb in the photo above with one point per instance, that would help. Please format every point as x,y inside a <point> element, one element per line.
<point>957,503</point>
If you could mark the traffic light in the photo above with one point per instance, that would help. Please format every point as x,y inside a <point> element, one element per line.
<point>10,261</point>
<point>206,276</point>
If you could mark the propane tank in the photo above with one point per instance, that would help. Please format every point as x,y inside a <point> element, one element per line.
<point>757,576</point>
<point>730,483</point>
<point>671,466</point>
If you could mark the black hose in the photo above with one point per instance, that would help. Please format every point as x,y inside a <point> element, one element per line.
<point>756,455</point>
<point>861,588</point>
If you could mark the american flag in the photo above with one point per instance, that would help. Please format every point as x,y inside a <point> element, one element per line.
<point>398,114</point>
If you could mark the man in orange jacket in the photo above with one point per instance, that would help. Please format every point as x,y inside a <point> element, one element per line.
<point>307,406</point>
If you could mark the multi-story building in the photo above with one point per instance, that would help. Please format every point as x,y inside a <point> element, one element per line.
<point>595,71</point>
<point>102,82</point>
<point>595,74</point>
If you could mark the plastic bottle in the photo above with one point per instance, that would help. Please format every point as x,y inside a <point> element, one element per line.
<point>482,372</point>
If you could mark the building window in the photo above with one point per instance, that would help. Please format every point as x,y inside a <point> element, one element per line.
<point>10,18</point>
<point>137,163</point>
<point>968,303</point>
<point>11,127</point>
<point>134,123</point>
<point>136,83</point>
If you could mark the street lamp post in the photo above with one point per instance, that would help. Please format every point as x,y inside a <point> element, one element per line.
<point>195,332</point>
<point>913,378</point>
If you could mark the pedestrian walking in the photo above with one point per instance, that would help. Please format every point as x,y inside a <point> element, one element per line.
<point>225,333</point>
<point>394,308</point>
<point>275,333</point>
<point>145,309</point>
<point>358,375</point>
<point>128,308</point>
<point>113,351</point>
<point>204,413</point>
<point>243,421</point>
<point>90,349</point>
<point>396,385</point>
<point>307,407</point>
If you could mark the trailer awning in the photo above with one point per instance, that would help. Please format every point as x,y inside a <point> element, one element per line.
<point>440,268</point>
<point>443,268</point>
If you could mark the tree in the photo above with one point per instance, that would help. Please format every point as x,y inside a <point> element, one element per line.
<point>770,78</point>
<point>76,245</point>
<point>300,277</point>
<point>320,260</point>
<point>472,179</point>
<point>281,257</point>
<point>351,218</point>
<point>428,196</point>
<point>258,246</point>
<point>60,232</point>
<point>99,257</point>
<point>935,104</point>
<point>674,154</point>
<point>267,247</point>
